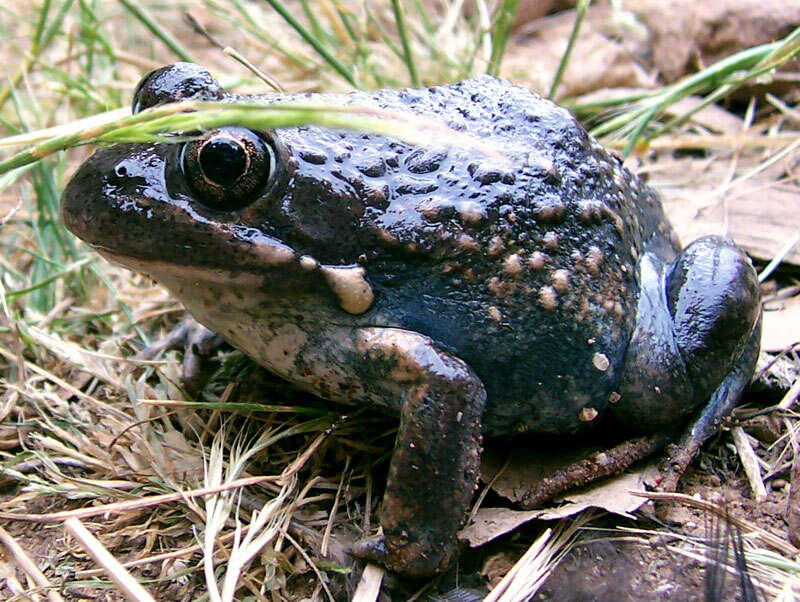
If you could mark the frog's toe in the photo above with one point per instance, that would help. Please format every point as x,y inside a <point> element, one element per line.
<point>421,558</point>
<point>198,344</point>
<point>697,338</point>
<point>708,420</point>
<point>201,343</point>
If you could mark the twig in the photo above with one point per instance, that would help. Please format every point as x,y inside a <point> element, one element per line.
<point>180,553</point>
<point>768,538</point>
<point>310,563</point>
<point>27,564</point>
<point>750,463</point>
<point>326,536</point>
<point>370,585</point>
<point>791,396</point>
<point>500,591</point>
<point>92,546</point>
<point>137,504</point>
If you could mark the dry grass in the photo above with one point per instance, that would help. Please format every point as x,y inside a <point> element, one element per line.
<point>247,493</point>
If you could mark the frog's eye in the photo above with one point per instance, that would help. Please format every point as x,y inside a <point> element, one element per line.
<point>227,169</point>
<point>173,83</point>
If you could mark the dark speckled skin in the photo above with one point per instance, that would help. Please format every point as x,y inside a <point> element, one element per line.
<point>539,253</point>
<point>469,294</point>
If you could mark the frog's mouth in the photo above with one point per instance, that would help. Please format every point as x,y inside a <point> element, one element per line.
<point>347,283</point>
<point>167,272</point>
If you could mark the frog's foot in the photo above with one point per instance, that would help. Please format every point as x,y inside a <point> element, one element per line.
<point>434,469</point>
<point>708,421</point>
<point>697,336</point>
<point>198,344</point>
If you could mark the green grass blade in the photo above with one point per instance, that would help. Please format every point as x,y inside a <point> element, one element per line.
<point>314,42</point>
<point>51,277</point>
<point>720,79</point>
<point>502,31</point>
<point>37,35</point>
<point>155,124</point>
<point>580,14</point>
<point>316,29</point>
<point>402,29</point>
<point>42,42</point>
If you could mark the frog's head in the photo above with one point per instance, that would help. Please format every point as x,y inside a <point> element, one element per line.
<point>189,203</point>
<point>217,207</point>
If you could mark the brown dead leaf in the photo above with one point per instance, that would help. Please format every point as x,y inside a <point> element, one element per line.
<point>760,213</point>
<point>614,494</point>
<point>599,61</point>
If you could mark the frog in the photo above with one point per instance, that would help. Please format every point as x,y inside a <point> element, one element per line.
<point>540,289</point>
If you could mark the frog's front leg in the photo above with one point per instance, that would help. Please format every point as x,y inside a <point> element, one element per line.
<point>198,344</point>
<point>434,467</point>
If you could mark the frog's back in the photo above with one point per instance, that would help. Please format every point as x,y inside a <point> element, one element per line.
<point>524,266</point>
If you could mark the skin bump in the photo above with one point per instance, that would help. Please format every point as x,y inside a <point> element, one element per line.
<point>600,361</point>
<point>537,260</point>
<point>349,285</point>
<point>548,298</point>
<point>560,280</point>
<point>513,265</point>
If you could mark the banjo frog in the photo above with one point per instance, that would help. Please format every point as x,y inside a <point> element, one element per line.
<point>468,296</point>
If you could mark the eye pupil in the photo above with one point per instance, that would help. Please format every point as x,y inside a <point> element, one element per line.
<point>223,161</point>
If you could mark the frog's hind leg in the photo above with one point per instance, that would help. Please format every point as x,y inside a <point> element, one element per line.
<point>434,468</point>
<point>708,421</point>
<point>696,341</point>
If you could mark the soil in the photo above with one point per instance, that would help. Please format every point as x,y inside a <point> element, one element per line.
<point>649,569</point>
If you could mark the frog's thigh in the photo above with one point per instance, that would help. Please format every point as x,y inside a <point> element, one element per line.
<point>696,320</point>
<point>435,464</point>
